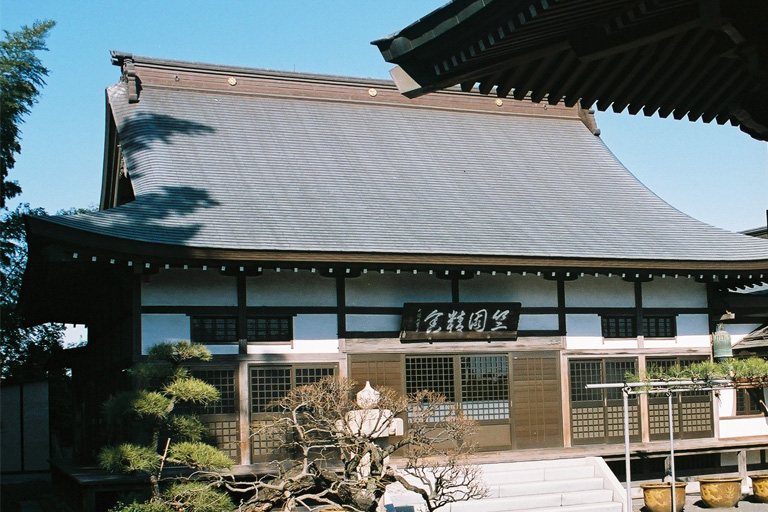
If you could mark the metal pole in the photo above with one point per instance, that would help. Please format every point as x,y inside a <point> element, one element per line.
<point>625,396</point>
<point>672,449</point>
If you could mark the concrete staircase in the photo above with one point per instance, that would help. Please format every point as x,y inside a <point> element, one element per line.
<point>566,485</point>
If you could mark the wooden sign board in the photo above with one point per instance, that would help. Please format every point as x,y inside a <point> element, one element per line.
<point>469,321</point>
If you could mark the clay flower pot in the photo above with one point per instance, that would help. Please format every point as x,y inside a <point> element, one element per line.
<point>720,491</point>
<point>658,496</point>
<point>760,487</point>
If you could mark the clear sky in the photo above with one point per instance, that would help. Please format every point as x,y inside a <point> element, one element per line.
<point>716,174</point>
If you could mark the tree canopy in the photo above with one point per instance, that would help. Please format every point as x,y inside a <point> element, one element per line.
<point>24,350</point>
<point>22,76</point>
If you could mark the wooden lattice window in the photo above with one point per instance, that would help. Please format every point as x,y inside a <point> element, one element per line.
<point>481,388</point>
<point>618,327</point>
<point>659,326</point>
<point>748,402</point>
<point>691,411</point>
<point>223,329</point>
<point>221,418</point>
<point>214,329</point>
<point>224,382</point>
<point>270,329</point>
<point>597,414</point>
<point>433,373</point>
<point>267,385</point>
<point>271,383</point>
<point>485,387</point>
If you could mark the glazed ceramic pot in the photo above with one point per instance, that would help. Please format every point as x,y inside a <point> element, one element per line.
<point>760,487</point>
<point>720,491</point>
<point>658,496</point>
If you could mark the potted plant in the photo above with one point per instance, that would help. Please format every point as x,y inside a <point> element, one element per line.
<point>657,496</point>
<point>760,487</point>
<point>705,370</point>
<point>720,491</point>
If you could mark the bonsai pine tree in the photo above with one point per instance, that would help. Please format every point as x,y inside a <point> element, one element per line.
<point>336,458</point>
<point>158,433</point>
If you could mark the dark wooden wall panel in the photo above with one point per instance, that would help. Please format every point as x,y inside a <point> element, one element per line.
<point>536,402</point>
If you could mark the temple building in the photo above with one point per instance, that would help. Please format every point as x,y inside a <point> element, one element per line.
<point>301,226</point>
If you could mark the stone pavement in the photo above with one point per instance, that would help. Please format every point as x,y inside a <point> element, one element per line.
<point>693,503</point>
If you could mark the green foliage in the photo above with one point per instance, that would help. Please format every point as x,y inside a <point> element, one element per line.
<point>753,368</point>
<point>119,406</point>
<point>705,370</point>
<point>147,506</point>
<point>139,404</point>
<point>152,371</point>
<point>192,390</point>
<point>186,427</point>
<point>152,404</point>
<point>179,352</point>
<point>751,371</point>
<point>199,456</point>
<point>24,351</point>
<point>21,77</point>
<point>128,457</point>
<point>171,384</point>
<point>197,497</point>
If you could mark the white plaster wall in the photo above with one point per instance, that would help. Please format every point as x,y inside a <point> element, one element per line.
<point>601,291</point>
<point>692,331</point>
<point>189,288</point>
<point>743,427</point>
<point>726,405</point>
<point>585,332</point>
<point>315,327</point>
<point>289,288</point>
<point>392,290</point>
<point>538,323</point>
<point>529,290</point>
<point>671,292</point>
<point>372,323</point>
<point>159,328</point>
<point>295,347</point>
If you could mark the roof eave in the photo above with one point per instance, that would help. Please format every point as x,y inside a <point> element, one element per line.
<point>73,244</point>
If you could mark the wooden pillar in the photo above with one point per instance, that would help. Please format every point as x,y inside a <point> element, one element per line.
<point>561,321</point>
<point>244,412</point>
<point>742,463</point>
<point>242,315</point>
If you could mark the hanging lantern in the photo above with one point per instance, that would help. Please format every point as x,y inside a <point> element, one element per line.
<point>721,344</point>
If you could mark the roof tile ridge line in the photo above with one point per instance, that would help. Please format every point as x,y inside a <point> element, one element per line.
<point>224,70</point>
<point>362,102</point>
<point>292,76</point>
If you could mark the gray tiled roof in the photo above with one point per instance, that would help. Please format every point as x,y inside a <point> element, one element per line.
<point>756,339</point>
<point>218,170</point>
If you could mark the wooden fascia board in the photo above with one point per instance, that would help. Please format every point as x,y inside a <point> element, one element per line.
<point>122,248</point>
<point>111,163</point>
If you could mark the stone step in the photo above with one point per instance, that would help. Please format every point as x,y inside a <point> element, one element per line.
<point>545,487</point>
<point>532,501</point>
<point>589,507</point>
<point>533,464</point>
<point>569,485</point>
<point>591,497</point>
<point>514,475</point>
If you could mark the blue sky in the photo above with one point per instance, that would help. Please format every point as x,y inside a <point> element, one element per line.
<point>716,174</point>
